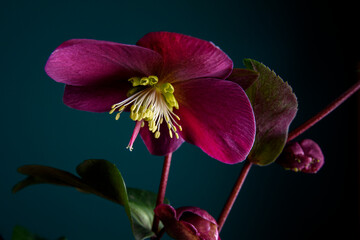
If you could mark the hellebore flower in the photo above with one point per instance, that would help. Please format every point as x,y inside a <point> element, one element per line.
<point>305,156</point>
<point>173,82</point>
<point>190,223</point>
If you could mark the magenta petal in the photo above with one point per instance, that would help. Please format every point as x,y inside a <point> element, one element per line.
<point>216,116</point>
<point>160,146</point>
<point>94,98</point>
<point>81,62</point>
<point>187,57</point>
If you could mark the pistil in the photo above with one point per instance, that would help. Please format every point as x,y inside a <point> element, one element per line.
<point>134,135</point>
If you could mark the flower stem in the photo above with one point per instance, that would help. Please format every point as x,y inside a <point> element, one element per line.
<point>236,189</point>
<point>162,190</point>
<point>324,112</point>
<point>245,170</point>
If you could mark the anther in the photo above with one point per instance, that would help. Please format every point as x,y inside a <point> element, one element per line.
<point>144,81</point>
<point>167,88</point>
<point>117,116</point>
<point>151,102</point>
<point>153,80</point>
<point>135,81</point>
<point>112,110</point>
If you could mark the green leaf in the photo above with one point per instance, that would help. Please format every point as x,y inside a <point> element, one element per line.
<point>21,233</point>
<point>105,180</point>
<point>142,204</point>
<point>102,178</point>
<point>42,174</point>
<point>275,106</point>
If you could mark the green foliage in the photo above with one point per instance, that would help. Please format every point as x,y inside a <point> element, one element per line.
<point>275,106</point>
<point>21,233</point>
<point>102,178</point>
<point>142,204</point>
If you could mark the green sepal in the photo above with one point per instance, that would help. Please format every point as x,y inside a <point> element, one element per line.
<point>275,106</point>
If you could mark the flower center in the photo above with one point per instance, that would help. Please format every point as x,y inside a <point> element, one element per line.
<point>150,102</point>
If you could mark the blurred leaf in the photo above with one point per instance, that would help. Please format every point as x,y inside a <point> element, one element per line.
<point>42,174</point>
<point>275,106</point>
<point>21,233</point>
<point>101,178</point>
<point>142,204</point>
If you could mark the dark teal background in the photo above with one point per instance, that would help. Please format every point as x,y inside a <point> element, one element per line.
<point>311,45</point>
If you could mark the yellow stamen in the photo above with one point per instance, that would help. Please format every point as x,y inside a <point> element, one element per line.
<point>117,116</point>
<point>167,88</point>
<point>144,81</point>
<point>153,80</point>
<point>133,90</point>
<point>135,81</point>
<point>153,102</point>
<point>112,111</point>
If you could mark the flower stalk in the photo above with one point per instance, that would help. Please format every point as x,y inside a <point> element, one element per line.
<point>236,189</point>
<point>312,121</point>
<point>309,123</point>
<point>162,189</point>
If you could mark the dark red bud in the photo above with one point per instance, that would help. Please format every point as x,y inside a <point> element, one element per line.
<point>305,156</point>
<point>188,223</point>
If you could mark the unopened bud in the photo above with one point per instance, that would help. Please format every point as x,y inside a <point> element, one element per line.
<point>305,156</point>
<point>187,222</point>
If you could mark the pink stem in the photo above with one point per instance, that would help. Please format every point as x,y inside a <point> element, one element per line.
<point>305,126</point>
<point>244,172</point>
<point>162,189</point>
<point>236,189</point>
